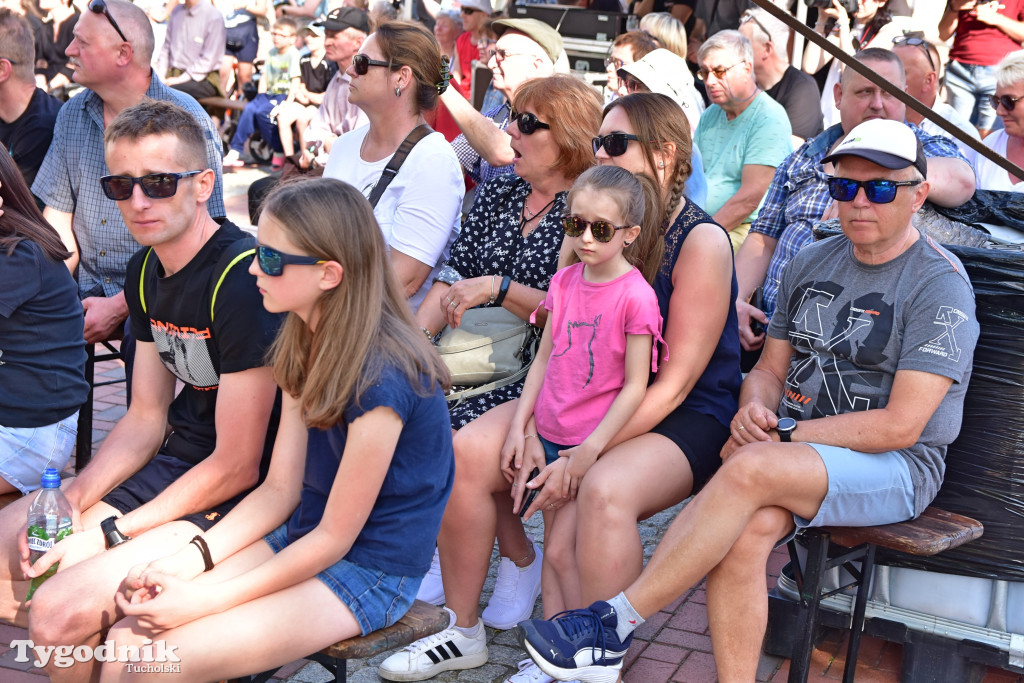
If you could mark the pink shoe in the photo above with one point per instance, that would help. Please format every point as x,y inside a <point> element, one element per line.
<point>277,163</point>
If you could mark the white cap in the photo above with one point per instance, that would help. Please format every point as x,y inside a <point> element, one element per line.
<point>482,5</point>
<point>890,144</point>
<point>663,72</point>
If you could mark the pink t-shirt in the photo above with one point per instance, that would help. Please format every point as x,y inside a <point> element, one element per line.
<point>589,323</point>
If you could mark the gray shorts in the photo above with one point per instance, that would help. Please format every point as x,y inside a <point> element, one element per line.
<point>864,489</point>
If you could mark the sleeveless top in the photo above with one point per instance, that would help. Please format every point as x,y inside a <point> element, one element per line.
<point>716,392</point>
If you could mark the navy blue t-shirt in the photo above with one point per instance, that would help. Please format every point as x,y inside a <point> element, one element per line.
<point>399,535</point>
<point>42,350</point>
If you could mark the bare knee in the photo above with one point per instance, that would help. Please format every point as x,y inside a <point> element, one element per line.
<point>601,494</point>
<point>744,472</point>
<point>560,555</point>
<point>53,617</point>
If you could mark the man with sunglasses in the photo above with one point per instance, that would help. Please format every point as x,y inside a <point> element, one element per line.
<point>843,422</point>
<point>174,465</point>
<point>110,56</point>
<point>924,80</point>
<point>526,48</point>
<point>798,195</point>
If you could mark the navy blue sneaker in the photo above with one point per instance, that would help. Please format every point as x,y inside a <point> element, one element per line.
<point>579,644</point>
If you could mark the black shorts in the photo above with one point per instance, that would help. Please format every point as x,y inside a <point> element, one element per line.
<point>151,480</point>
<point>700,437</point>
<point>243,41</point>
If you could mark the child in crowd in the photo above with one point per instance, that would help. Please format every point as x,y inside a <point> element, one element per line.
<point>340,550</point>
<point>306,94</point>
<point>597,350</point>
<point>279,72</point>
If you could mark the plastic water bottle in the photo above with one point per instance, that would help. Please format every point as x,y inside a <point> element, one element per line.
<point>49,520</point>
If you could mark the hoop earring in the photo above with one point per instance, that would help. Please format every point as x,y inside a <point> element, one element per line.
<point>626,244</point>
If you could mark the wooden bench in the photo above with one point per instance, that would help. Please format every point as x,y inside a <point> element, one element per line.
<point>930,534</point>
<point>420,621</point>
<point>223,103</point>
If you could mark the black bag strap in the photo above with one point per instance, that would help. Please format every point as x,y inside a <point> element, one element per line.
<point>391,170</point>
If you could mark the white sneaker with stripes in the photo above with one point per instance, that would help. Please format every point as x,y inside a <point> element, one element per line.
<point>445,651</point>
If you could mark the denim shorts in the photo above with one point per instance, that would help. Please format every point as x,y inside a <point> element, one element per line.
<point>551,449</point>
<point>864,489</point>
<point>376,599</point>
<point>26,451</point>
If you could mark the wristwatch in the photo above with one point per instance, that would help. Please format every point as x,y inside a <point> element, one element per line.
<point>785,428</point>
<point>112,536</point>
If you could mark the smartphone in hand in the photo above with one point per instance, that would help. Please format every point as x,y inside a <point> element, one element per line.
<point>530,493</point>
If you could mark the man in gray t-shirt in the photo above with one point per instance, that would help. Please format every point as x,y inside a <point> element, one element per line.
<point>843,421</point>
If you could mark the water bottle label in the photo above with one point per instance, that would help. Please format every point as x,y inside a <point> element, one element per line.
<point>38,539</point>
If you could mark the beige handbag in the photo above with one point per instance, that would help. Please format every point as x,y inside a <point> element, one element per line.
<point>489,349</point>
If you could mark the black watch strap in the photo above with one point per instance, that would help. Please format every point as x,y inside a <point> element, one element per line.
<point>785,428</point>
<point>112,536</point>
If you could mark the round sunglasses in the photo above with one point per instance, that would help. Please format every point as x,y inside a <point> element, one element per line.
<point>272,261</point>
<point>1008,102</point>
<point>877,191</point>
<point>614,143</point>
<point>361,64</point>
<point>603,231</point>
<point>528,123</point>
<point>154,185</point>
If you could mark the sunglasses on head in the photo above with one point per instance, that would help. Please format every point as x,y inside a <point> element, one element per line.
<point>750,17</point>
<point>1008,102</point>
<point>614,143</point>
<point>528,123</point>
<point>272,261</point>
<point>154,185</point>
<point>100,7</point>
<point>603,231</point>
<point>361,64</point>
<point>917,42</point>
<point>877,191</point>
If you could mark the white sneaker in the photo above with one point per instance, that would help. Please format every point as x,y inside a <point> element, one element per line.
<point>515,593</point>
<point>431,589</point>
<point>429,656</point>
<point>531,673</point>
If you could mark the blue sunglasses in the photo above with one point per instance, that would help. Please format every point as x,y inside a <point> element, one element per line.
<point>877,191</point>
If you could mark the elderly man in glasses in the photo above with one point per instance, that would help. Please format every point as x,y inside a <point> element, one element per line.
<point>844,420</point>
<point>177,462</point>
<point>798,196</point>
<point>110,56</point>
<point>743,135</point>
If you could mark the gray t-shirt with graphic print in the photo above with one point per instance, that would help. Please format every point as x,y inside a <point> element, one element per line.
<point>853,325</point>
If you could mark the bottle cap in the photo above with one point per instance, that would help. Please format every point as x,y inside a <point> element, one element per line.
<point>51,478</point>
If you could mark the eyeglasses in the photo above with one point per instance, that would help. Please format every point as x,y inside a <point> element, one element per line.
<point>750,17</point>
<point>634,86</point>
<point>361,64</point>
<point>154,185</point>
<point>1008,102</point>
<point>877,191</point>
<point>610,62</point>
<point>282,34</point>
<point>718,72</point>
<point>920,43</point>
<point>603,231</point>
<point>528,123</point>
<point>614,143</point>
<point>100,7</point>
<point>501,53</point>
<point>272,261</point>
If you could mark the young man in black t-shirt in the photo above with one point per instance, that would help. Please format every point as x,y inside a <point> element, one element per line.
<point>173,465</point>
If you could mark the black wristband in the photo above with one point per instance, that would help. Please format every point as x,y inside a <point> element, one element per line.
<point>503,290</point>
<point>200,542</point>
<point>112,536</point>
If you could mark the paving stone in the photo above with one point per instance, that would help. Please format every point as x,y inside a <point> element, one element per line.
<point>699,667</point>
<point>650,671</point>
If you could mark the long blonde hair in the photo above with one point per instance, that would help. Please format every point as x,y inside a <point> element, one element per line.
<point>364,323</point>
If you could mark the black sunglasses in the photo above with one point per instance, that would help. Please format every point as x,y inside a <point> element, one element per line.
<point>877,191</point>
<point>154,185</point>
<point>528,123</point>
<point>914,41</point>
<point>100,7</point>
<point>272,261</point>
<point>603,231</point>
<point>614,143</point>
<point>1008,102</point>
<point>361,64</point>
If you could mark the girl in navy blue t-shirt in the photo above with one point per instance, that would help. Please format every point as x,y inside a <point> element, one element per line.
<point>336,540</point>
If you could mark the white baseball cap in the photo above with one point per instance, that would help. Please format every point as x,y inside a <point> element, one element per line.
<point>890,144</point>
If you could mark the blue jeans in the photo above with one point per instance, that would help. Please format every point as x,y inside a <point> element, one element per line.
<point>969,86</point>
<point>257,115</point>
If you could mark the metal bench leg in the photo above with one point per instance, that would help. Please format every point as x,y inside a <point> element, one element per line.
<point>857,624</point>
<point>83,441</point>
<point>810,596</point>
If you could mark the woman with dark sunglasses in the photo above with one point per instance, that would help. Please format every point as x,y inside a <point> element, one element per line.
<point>397,76</point>
<point>505,256</point>
<point>1009,142</point>
<point>42,350</point>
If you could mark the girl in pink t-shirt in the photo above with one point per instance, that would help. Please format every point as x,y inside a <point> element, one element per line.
<point>598,347</point>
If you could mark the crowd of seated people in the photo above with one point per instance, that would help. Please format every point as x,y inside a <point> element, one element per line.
<point>313,467</point>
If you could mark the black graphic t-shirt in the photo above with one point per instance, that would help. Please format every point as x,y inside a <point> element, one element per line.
<point>177,319</point>
<point>853,325</point>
